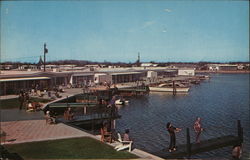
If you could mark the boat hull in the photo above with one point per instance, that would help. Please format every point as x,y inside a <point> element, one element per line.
<point>168,89</point>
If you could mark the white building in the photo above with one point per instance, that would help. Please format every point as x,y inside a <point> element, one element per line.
<point>102,78</point>
<point>28,67</point>
<point>213,68</point>
<point>186,72</point>
<point>67,66</point>
<point>148,65</point>
<point>151,74</point>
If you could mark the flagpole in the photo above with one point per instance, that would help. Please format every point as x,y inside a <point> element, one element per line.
<point>44,59</point>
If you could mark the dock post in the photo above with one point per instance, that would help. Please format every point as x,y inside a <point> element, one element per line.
<point>242,135</point>
<point>67,101</point>
<point>188,143</point>
<point>92,126</point>
<point>174,89</point>
<point>240,131</point>
<point>85,110</point>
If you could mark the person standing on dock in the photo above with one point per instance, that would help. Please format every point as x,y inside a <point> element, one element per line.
<point>21,100</point>
<point>171,129</point>
<point>198,129</point>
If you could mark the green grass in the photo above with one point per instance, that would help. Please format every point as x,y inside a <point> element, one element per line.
<point>74,148</point>
<point>14,102</point>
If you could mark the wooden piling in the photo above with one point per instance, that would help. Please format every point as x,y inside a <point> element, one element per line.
<point>240,131</point>
<point>188,144</point>
<point>67,101</point>
<point>174,88</point>
<point>242,135</point>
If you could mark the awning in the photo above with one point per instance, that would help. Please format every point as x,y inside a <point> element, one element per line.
<point>23,79</point>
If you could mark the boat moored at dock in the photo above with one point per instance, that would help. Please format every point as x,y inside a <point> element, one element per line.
<point>165,87</point>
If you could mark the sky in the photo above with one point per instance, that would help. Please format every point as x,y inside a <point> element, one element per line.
<point>115,31</point>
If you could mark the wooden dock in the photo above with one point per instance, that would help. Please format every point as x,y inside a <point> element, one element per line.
<point>204,146</point>
<point>89,118</point>
<point>96,113</point>
<point>72,105</point>
<point>188,149</point>
<point>133,91</point>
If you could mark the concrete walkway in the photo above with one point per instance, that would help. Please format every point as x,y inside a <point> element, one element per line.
<point>19,115</point>
<point>37,130</point>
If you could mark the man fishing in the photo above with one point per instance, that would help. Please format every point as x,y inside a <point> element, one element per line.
<point>171,129</point>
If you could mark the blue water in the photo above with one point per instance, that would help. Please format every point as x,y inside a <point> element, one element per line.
<point>220,102</point>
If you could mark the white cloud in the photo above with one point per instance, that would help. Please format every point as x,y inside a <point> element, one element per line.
<point>167,10</point>
<point>148,23</point>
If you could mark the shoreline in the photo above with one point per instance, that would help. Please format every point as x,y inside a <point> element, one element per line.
<point>227,72</point>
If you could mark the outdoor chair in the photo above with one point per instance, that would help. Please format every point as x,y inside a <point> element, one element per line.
<point>123,144</point>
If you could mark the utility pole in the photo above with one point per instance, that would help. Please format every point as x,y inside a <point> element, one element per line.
<point>45,51</point>
<point>138,60</point>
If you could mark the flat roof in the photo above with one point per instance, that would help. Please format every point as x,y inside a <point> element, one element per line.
<point>23,79</point>
<point>121,73</point>
<point>17,72</point>
<point>82,74</point>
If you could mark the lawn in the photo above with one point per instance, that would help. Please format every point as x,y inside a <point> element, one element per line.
<point>14,102</point>
<point>74,148</point>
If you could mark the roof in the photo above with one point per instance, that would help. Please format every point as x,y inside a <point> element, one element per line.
<point>228,65</point>
<point>82,74</point>
<point>122,73</point>
<point>187,69</point>
<point>23,79</point>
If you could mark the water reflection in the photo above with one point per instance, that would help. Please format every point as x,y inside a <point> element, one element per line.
<point>220,102</point>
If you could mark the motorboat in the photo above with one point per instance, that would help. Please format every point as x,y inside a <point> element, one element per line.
<point>121,102</point>
<point>169,87</point>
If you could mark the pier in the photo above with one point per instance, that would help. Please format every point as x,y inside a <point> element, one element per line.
<point>188,149</point>
<point>89,111</point>
<point>133,91</point>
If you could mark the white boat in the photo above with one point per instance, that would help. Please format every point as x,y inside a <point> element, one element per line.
<point>169,88</point>
<point>121,102</point>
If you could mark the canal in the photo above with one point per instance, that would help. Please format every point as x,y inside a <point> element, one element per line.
<point>220,102</point>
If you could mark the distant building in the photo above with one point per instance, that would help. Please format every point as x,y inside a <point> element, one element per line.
<point>222,67</point>
<point>122,77</point>
<point>152,76</point>
<point>29,67</point>
<point>66,66</point>
<point>228,67</point>
<point>81,78</point>
<point>240,67</point>
<point>49,66</point>
<point>183,65</point>
<point>186,72</point>
<point>6,66</point>
<point>148,65</point>
<point>102,78</point>
<point>213,67</point>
